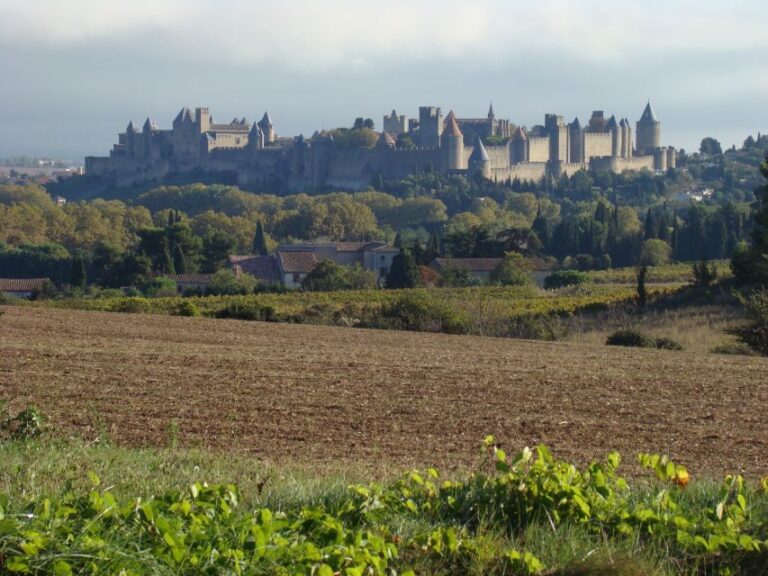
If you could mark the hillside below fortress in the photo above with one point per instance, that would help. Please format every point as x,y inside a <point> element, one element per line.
<point>254,155</point>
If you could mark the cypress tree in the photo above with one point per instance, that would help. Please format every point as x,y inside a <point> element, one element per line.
<point>171,218</point>
<point>179,261</point>
<point>403,273</point>
<point>167,259</point>
<point>78,277</point>
<point>433,248</point>
<point>542,228</point>
<point>260,240</point>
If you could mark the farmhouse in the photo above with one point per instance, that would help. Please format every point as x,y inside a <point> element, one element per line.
<point>21,287</point>
<point>184,282</point>
<point>291,263</point>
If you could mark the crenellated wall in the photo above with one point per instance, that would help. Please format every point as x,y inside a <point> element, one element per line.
<point>538,149</point>
<point>597,145</point>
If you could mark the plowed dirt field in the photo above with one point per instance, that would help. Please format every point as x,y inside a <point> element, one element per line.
<point>308,394</point>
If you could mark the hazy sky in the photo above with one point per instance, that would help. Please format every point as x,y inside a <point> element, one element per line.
<point>74,72</point>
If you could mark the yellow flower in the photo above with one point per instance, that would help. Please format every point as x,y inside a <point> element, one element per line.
<point>682,478</point>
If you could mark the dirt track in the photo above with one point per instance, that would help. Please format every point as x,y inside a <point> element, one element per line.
<point>315,394</point>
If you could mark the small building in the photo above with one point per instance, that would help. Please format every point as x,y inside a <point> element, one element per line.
<point>481,269</point>
<point>21,287</point>
<point>294,265</point>
<point>263,268</point>
<point>184,282</point>
<point>375,255</point>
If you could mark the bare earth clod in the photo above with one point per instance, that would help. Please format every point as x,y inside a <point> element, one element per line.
<point>310,394</point>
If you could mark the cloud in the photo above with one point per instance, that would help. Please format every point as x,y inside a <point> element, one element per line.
<point>308,34</point>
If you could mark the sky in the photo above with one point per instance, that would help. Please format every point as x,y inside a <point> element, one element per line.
<point>73,73</point>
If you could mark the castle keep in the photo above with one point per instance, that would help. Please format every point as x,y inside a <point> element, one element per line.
<point>254,155</point>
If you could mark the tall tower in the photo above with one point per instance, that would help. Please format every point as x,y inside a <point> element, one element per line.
<point>203,119</point>
<point>558,138</point>
<point>491,121</point>
<point>479,161</point>
<point>624,142</point>
<point>519,148</point>
<point>269,130</point>
<point>648,132</point>
<point>256,137</point>
<point>453,142</point>
<point>614,130</point>
<point>430,126</point>
<point>576,140</point>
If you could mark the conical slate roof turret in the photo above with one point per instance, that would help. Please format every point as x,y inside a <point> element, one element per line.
<point>130,128</point>
<point>256,129</point>
<point>576,125</point>
<point>648,115</point>
<point>265,120</point>
<point>451,126</point>
<point>149,125</point>
<point>181,115</point>
<point>612,125</point>
<point>520,134</point>
<point>623,123</point>
<point>479,154</point>
<point>385,141</point>
<point>490,111</point>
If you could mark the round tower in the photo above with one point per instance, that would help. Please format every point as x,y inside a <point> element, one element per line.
<point>453,143</point>
<point>266,126</point>
<point>479,161</point>
<point>671,157</point>
<point>519,146</point>
<point>615,130</point>
<point>576,140</point>
<point>624,138</point>
<point>648,132</point>
<point>660,159</point>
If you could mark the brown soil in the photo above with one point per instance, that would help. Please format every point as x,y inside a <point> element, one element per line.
<point>307,394</point>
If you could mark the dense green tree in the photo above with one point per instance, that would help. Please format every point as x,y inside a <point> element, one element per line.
<point>710,146</point>
<point>78,277</point>
<point>179,260</point>
<point>403,273</point>
<point>217,246</point>
<point>514,270</point>
<point>260,240</point>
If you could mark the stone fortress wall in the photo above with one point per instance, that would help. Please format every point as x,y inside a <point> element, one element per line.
<point>447,144</point>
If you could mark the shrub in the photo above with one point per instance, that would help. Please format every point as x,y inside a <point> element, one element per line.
<point>535,327</point>
<point>514,270</point>
<point>160,287</point>
<point>226,282</point>
<point>664,343</point>
<point>755,334</point>
<point>247,311</point>
<point>132,305</point>
<point>633,338</point>
<point>29,423</point>
<point>457,277</point>
<point>637,339</point>
<point>187,308</point>
<point>655,252</point>
<point>735,348</point>
<point>419,312</point>
<point>704,274</point>
<point>565,278</point>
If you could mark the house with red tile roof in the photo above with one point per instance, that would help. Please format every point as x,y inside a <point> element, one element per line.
<point>291,263</point>
<point>21,287</point>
